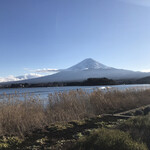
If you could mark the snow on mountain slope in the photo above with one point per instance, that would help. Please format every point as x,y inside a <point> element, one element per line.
<point>88,68</point>
<point>88,63</point>
<point>81,75</point>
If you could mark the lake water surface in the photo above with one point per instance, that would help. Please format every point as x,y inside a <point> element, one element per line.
<point>43,92</point>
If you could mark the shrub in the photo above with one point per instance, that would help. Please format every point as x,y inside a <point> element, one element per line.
<point>9,143</point>
<point>138,128</point>
<point>105,139</point>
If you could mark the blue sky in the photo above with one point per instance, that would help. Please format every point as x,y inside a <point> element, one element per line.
<point>56,34</point>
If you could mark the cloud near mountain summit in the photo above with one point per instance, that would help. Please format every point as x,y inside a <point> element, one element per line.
<point>23,77</point>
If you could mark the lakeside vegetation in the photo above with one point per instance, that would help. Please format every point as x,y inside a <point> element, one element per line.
<point>74,118</point>
<point>88,82</point>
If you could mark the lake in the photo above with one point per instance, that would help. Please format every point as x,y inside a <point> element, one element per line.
<point>43,92</point>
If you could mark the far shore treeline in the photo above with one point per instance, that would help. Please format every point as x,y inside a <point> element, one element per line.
<point>88,82</point>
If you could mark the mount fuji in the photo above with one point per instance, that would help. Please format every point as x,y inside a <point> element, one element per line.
<point>88,63</point>
<point>87,68</point>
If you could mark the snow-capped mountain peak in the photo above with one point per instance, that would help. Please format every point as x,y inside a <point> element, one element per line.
<point>88,63</point>
<point>87,68</point>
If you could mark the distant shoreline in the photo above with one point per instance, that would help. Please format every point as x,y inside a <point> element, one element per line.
<point>88,82</point>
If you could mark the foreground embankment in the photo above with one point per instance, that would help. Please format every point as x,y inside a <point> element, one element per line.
<point>19,117</point>
<point>33,122</point>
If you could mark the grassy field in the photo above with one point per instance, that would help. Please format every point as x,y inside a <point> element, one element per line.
<point>73,119</point>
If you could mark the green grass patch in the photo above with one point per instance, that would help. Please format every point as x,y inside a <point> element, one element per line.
<point>138,128</point>
<point>106,139</point>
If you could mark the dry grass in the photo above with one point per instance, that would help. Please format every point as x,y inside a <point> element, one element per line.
<point>19,117</point>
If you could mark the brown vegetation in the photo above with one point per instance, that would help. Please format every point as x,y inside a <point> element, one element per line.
<point>19,117</point>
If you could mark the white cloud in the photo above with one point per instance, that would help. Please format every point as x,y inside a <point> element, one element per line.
<point>43,70</point>
<point>47,70</point>
<point>146,70</point>
<point>9,78</point>
<point>23,77</point>
<point>29,76</point>
<point>34,74</point>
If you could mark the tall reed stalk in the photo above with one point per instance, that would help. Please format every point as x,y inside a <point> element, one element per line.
<point>19,117</point>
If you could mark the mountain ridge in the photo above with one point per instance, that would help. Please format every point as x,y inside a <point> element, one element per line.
<point>88,68</point>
